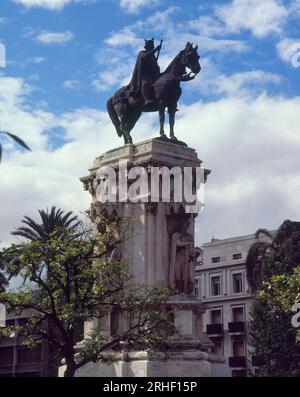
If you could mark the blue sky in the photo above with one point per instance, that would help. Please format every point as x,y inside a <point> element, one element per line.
<point>66,57</point>
<point>93,23</point>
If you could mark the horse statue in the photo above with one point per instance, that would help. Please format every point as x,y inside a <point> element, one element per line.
<point>126,107</point>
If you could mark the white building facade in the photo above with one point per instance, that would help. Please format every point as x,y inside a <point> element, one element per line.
<point>221,284</point>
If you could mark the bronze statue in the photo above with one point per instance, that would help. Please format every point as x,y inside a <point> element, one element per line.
<point>145,73</point>
<point>152,91</point>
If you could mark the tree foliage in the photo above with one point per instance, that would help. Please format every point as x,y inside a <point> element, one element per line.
<point>53,220</point>
<point>273,272</point>
<point>68,281</point>
<point>279,254</point>
<point>273,336</point>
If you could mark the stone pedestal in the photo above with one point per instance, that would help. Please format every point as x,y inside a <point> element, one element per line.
<point>149,252</point>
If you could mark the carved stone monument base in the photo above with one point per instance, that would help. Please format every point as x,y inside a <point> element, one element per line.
<point>159,249</point>
<point>186,354</point>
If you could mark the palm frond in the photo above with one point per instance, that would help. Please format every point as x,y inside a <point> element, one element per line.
<point>16,139</point>
<point>287,228</point>
<point>264,231</point>
<point>52,220</point>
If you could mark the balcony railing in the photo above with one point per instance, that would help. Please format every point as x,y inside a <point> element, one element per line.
<point>236,327</point>
<point>214,329</point>
<point>237,362</point>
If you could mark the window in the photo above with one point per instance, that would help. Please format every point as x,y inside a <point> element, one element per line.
<point>237,283</point>
<point>197,290</point>
<point>215,286</point>
<point>238,314</point>
<point>216,316</point>
<point>29,356</point>
<point>6,356</point>
<point>216,259</point>
<point>236,256</point>
<point>22,322</point>
<point>217,348</point>
<point>238,348</point>
<point>10,323</point>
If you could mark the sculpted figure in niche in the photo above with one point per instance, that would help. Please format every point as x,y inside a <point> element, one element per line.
<point>181,272</point>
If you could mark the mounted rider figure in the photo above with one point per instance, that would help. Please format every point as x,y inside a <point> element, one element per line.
<point>146,72</point>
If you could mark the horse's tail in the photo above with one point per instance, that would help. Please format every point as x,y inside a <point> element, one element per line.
<point>113,116</point>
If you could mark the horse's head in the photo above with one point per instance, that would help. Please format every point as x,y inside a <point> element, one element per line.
<point>191,58</point>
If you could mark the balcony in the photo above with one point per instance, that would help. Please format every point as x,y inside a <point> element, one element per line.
<point>214,329</point>
<point>236,327</point>
<point>237,362</point>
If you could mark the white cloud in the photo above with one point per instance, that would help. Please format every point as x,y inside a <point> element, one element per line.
<point>38,60</point>
<point>134,6</point>
<point>47,37</point>
<point>37,179</point>
<point>294,7</point>
<point>117,64</point>
<point>48,4</point>
<point>246,83</point>
<point>71,84</point>
<point>207,26</point>
<point>118,75</point>
<point>18,117</point>
<point>287,48</point>
<point>124,37</point>
<point>260,17</point>
<point>251,146</point>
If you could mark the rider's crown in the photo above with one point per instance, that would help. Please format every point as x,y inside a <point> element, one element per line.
<point>149,44</point>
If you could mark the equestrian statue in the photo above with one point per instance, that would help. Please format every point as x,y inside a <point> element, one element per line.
<point>152,91</point>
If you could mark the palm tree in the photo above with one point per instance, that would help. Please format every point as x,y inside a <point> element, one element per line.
<point>55,220</point>
<point>269,257</point>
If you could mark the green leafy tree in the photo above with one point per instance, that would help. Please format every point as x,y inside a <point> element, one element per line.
<point>271,266</point>
<point>16,139</point>
<point>274,338</point>
<point>69,281</point>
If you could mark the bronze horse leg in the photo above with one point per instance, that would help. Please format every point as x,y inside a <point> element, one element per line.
<point>172,112</point>
<point>172,109</point>
<point>161,109</point>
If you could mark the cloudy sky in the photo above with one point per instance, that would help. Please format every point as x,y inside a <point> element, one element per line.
<point>241,113</point>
